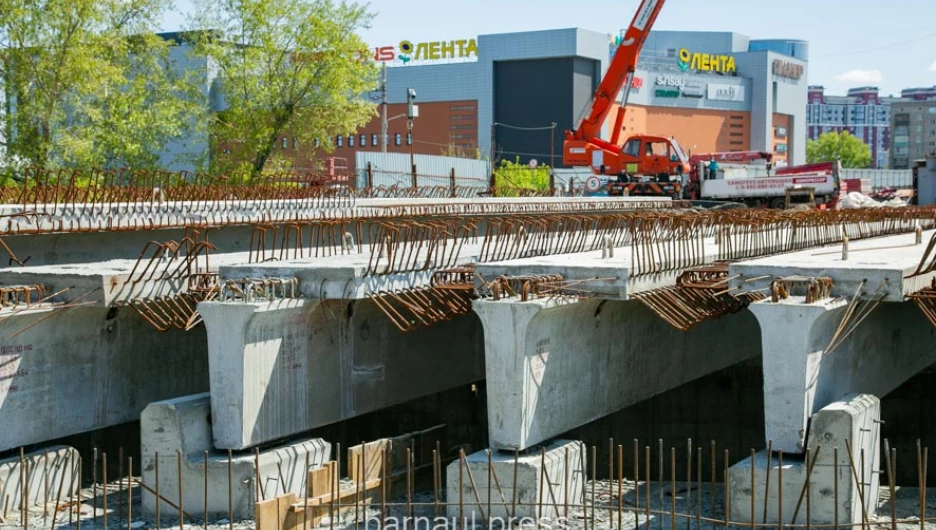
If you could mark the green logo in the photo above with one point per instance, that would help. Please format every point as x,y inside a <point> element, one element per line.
<point>667,93</point>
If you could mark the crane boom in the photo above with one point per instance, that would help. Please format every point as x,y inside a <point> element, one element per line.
<point>620,72</point>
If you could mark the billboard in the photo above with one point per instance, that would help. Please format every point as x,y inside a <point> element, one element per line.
<point>726,93</point>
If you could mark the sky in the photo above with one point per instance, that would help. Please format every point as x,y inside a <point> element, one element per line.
<point>852,43</point>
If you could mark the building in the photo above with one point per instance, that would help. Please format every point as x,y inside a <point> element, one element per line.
<point>863,113</point>
<point>514,95</point>
<point>913,126</point>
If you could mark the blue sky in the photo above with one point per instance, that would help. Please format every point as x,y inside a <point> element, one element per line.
<point>852,42</point>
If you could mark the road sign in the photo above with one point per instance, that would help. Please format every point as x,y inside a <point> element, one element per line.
<point>592,184</point>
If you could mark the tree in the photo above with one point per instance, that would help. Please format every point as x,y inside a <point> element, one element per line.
<point>87,83</point>
<point>832,146</point>
<point>287,68</point>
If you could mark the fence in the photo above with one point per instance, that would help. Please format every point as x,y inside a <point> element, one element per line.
<point>396,170</point>
<point>386,484</point>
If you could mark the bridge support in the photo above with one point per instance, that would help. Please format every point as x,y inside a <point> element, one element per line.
<point>843,472</point>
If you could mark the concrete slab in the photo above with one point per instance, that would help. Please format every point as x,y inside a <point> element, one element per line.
<point>888,347</point>
<point>872,261</point>
<point>43,473</point>
<point>181,429</point>
<point>112,282</point>
<point>150,215</point>
<point>87,368</point>
<point>344,277</point>
<point>843,488</point>
<point>282,368</point>
<point>616,277</point>
<point>553,480</point>
<point>552,367</point>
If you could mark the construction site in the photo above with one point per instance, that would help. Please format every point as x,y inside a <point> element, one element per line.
<point>652,341</point>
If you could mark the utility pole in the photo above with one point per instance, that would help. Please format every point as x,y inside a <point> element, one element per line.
<point>383,109</point>
<point>412,111</point>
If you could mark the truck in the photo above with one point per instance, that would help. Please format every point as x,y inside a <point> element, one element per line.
<point>737,184</point>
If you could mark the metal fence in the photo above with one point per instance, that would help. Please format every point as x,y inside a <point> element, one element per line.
<point>376,169</point>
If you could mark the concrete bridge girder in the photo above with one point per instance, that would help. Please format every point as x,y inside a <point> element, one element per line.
<point>554,366</point>
<point>891,345</point>
<point>282,368</point>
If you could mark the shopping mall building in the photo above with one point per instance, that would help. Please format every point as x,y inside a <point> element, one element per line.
<point>711,91</point>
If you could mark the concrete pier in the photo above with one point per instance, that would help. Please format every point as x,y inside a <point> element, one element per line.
<point>553,366</point>
<point>285,367</point>
<point>553,478</point>
<point>844,448</point>
<point>180,430</point>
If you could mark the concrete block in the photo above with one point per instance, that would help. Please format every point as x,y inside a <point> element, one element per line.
<point>45,472</point>
<point>88,368</point>
<point>282,368</point>
<point>181,428</point>
<point>552,368</point>
<point>565,476</point>
<point>837,486</point>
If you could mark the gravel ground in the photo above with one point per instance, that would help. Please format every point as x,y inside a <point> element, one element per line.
<point>603,515</point>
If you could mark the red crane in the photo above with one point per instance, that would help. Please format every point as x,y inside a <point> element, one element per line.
<point>642,155</point>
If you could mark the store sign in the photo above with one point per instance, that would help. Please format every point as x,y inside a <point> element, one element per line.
<point>637,82</point>
<point>692,91</point>
<point>667,93</point>
<point>726,93</point>
<point>705,62</point>
<point>788,70</point>
<point>668,80</point>
<point>427,51</point>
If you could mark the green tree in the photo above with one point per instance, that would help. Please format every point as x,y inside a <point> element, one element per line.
<point>88,83</point>
<point>288,68</point>
<point>832,146</point>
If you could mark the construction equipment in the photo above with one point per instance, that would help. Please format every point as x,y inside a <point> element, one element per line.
<point>765,189</point>
<point>645,165</point>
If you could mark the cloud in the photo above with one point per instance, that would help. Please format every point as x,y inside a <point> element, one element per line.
<point>932,67</point>
<point>861,76</point>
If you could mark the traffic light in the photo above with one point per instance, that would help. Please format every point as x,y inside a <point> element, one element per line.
<point>412,110</point>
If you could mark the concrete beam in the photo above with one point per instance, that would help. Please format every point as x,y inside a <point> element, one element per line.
<point>180,430</point>
<point>282,368</point>
<point>87,368</point>
<point>552,367</point>
<point>886,349</point>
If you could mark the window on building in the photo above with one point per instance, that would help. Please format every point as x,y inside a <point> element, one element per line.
<point>457,117</point>
<point>409,138</point>
<point>736,134</point>
<point>397,139</point>
<point>317,143</point>
<point>351,140</point>
<point>462,107</point>
<point>285,142</point>
<point>295,142</point>
<point>339,142</point>
<point>362,140</point>
<point>373,139</point>
<point>461,126</point>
